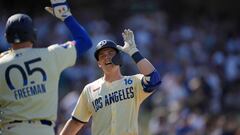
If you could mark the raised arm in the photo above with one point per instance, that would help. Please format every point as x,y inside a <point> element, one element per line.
<point>61,10</point>
<point>151,77</point>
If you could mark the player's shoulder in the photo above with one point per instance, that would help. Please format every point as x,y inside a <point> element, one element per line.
<point>136,76</point>
<point>4,54</point>
<point>99,81</point>
<point>95,84</point>
<point>65,45</point>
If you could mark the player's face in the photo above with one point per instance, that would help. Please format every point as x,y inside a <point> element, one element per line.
<point>105,59</point>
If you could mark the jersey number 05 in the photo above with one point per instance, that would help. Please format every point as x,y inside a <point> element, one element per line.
<point>24,74</point>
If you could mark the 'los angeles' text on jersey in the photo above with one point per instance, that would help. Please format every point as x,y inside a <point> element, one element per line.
<point>113,97</point>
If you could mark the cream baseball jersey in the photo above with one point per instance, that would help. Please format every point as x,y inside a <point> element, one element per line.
<point>29,81</point>
<point>113,106</point>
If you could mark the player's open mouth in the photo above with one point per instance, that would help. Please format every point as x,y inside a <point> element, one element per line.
<point>108,63</point>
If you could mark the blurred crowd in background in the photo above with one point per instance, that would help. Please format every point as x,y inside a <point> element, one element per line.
<point>196,52</point>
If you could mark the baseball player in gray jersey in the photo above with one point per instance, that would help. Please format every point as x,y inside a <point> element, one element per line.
<point>29,76</point>
<point>113,100</point>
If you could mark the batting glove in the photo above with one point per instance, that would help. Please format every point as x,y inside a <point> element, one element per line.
<point>129,43</point>
<point>59,9</point>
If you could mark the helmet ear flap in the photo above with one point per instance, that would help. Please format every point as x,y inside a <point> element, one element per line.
<point>118,59</point>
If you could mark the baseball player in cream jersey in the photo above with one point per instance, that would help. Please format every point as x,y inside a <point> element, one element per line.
<point>29,76</point>
<point>113,100</point>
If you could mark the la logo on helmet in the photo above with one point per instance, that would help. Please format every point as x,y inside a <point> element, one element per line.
<point>103,42</point>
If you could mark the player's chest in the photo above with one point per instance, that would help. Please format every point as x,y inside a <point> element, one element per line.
<point>108,95</point>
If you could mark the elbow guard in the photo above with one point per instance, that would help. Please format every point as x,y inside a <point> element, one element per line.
<point>151,82</point>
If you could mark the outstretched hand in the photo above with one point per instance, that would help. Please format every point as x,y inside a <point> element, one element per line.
<point>59,9</point>
<point>129,43</point>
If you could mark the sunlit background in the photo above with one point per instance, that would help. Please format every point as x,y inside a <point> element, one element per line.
<point>194,44</point>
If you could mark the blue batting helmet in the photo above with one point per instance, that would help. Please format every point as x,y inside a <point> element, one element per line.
<point>19,28</point>
<point>117,59</point>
